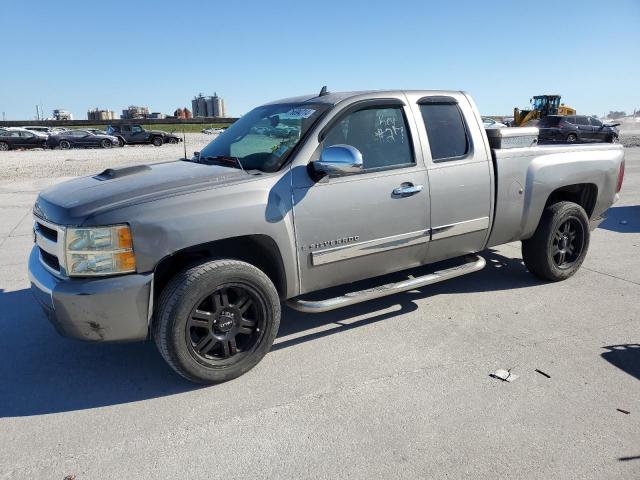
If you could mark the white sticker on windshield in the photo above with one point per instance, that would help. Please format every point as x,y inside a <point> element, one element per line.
<point>300,112</point>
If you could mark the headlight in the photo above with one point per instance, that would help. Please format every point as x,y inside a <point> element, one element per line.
<point>99,251</point>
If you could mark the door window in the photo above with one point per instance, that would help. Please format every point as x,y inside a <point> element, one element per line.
<point>136,129</point>
<point>26,134</point>
<point>446,130</point>
<point>595,122</point>
<point>582,121</point>
<point>379,133</point>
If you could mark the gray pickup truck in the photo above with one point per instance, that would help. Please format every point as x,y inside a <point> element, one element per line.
<point>199,254</point>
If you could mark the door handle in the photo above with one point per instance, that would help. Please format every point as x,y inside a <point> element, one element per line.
<point>407,189</point>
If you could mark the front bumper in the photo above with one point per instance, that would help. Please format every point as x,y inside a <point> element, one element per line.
<point>114,309</point>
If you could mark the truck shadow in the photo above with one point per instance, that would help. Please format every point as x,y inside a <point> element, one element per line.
<point>501,273</point>
<point>42,373</point>
<point>622,219</point>
<point>625,357</point>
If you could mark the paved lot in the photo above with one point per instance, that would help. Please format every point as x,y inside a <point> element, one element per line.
<point>396,388</point>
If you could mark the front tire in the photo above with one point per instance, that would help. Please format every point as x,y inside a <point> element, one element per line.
<point>64,145</point>
<point>106,143</point>
<point>572,138</point>
<point>4,146</point>
<point>157,141</point>
<point>560,243</point>
<point>216,320</point>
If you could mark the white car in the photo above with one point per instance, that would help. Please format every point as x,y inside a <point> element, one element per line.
<point>491,123</point>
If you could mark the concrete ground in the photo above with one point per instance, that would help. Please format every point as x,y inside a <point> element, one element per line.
<point>395,388</point>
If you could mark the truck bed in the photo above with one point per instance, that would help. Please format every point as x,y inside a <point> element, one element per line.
<point>526,177</point>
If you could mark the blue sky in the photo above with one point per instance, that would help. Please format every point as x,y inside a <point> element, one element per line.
<point>83,54</point>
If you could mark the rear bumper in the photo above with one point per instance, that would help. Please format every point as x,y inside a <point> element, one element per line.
<point>114,309</point>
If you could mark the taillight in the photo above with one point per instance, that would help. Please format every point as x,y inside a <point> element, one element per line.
<point>620,177</point>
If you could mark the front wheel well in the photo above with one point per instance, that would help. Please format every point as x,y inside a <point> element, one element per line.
<point>584,194</point>
<point>258,250</point>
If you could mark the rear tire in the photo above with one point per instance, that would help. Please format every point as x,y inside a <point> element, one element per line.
<point>4,146</point>
<point>106,143</point>
<point>560,243</point>
<point>64,145</point>
<point>173,140</point>
<point>216,320</point>
<point>572,138</point>
<point>157,141</point>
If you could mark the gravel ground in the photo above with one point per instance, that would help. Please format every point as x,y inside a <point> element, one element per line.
<point>33,164</point>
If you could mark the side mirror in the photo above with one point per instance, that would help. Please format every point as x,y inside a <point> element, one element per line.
<point>337,161</point>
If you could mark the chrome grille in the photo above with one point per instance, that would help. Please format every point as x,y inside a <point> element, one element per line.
<point>50,241</point>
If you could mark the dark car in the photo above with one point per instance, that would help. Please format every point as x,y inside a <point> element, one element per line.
<point>20,138</point>
<point>81,139</point>
<point>135,134</point>
<point>575,128</point>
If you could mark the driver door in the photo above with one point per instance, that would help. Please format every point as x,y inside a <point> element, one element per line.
<point>358,226</point>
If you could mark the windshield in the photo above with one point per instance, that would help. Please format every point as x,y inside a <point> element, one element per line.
<point>264,138</point>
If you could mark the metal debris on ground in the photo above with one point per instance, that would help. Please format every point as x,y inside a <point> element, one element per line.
<point>626,412</point>
<point>542,373</point>
<point>504,375</point>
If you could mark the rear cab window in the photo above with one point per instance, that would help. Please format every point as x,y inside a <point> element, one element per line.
<point>446,128</point>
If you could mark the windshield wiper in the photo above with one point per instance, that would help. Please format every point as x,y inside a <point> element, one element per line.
<point>226,160</point>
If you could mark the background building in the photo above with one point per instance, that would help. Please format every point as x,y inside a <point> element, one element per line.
<point>208,106</point>
<point>134,111</point>
<point>183,113</point>
<point>59,114</point>
<point>99,114</point>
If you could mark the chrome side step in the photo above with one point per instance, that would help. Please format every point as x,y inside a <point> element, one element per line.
<point>473,264</point>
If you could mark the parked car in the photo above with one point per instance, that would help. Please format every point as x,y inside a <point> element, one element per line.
<point>96,131</point>
<point>199,254</point>
<point>12,138</point>
<point>40,129</point>
<point>211,131</point>
<point>575,128</point>
<point>135,134</point>
<point>489,122</point>
<point>82,139</point>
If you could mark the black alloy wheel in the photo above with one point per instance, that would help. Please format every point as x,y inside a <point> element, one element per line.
<point>105,143</point>
<point>64,145</point>
<point>226,324</point>
<point>217,319</point>
<point>568,242</point>
<point>560,243</point>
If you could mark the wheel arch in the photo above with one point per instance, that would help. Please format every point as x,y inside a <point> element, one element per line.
<point>584,194</point>
<point>258,250</point>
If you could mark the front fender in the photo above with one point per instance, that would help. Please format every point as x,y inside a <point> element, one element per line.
<point>259,207</point>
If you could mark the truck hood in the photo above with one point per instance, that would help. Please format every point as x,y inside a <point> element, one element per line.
<point>73,201</point>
